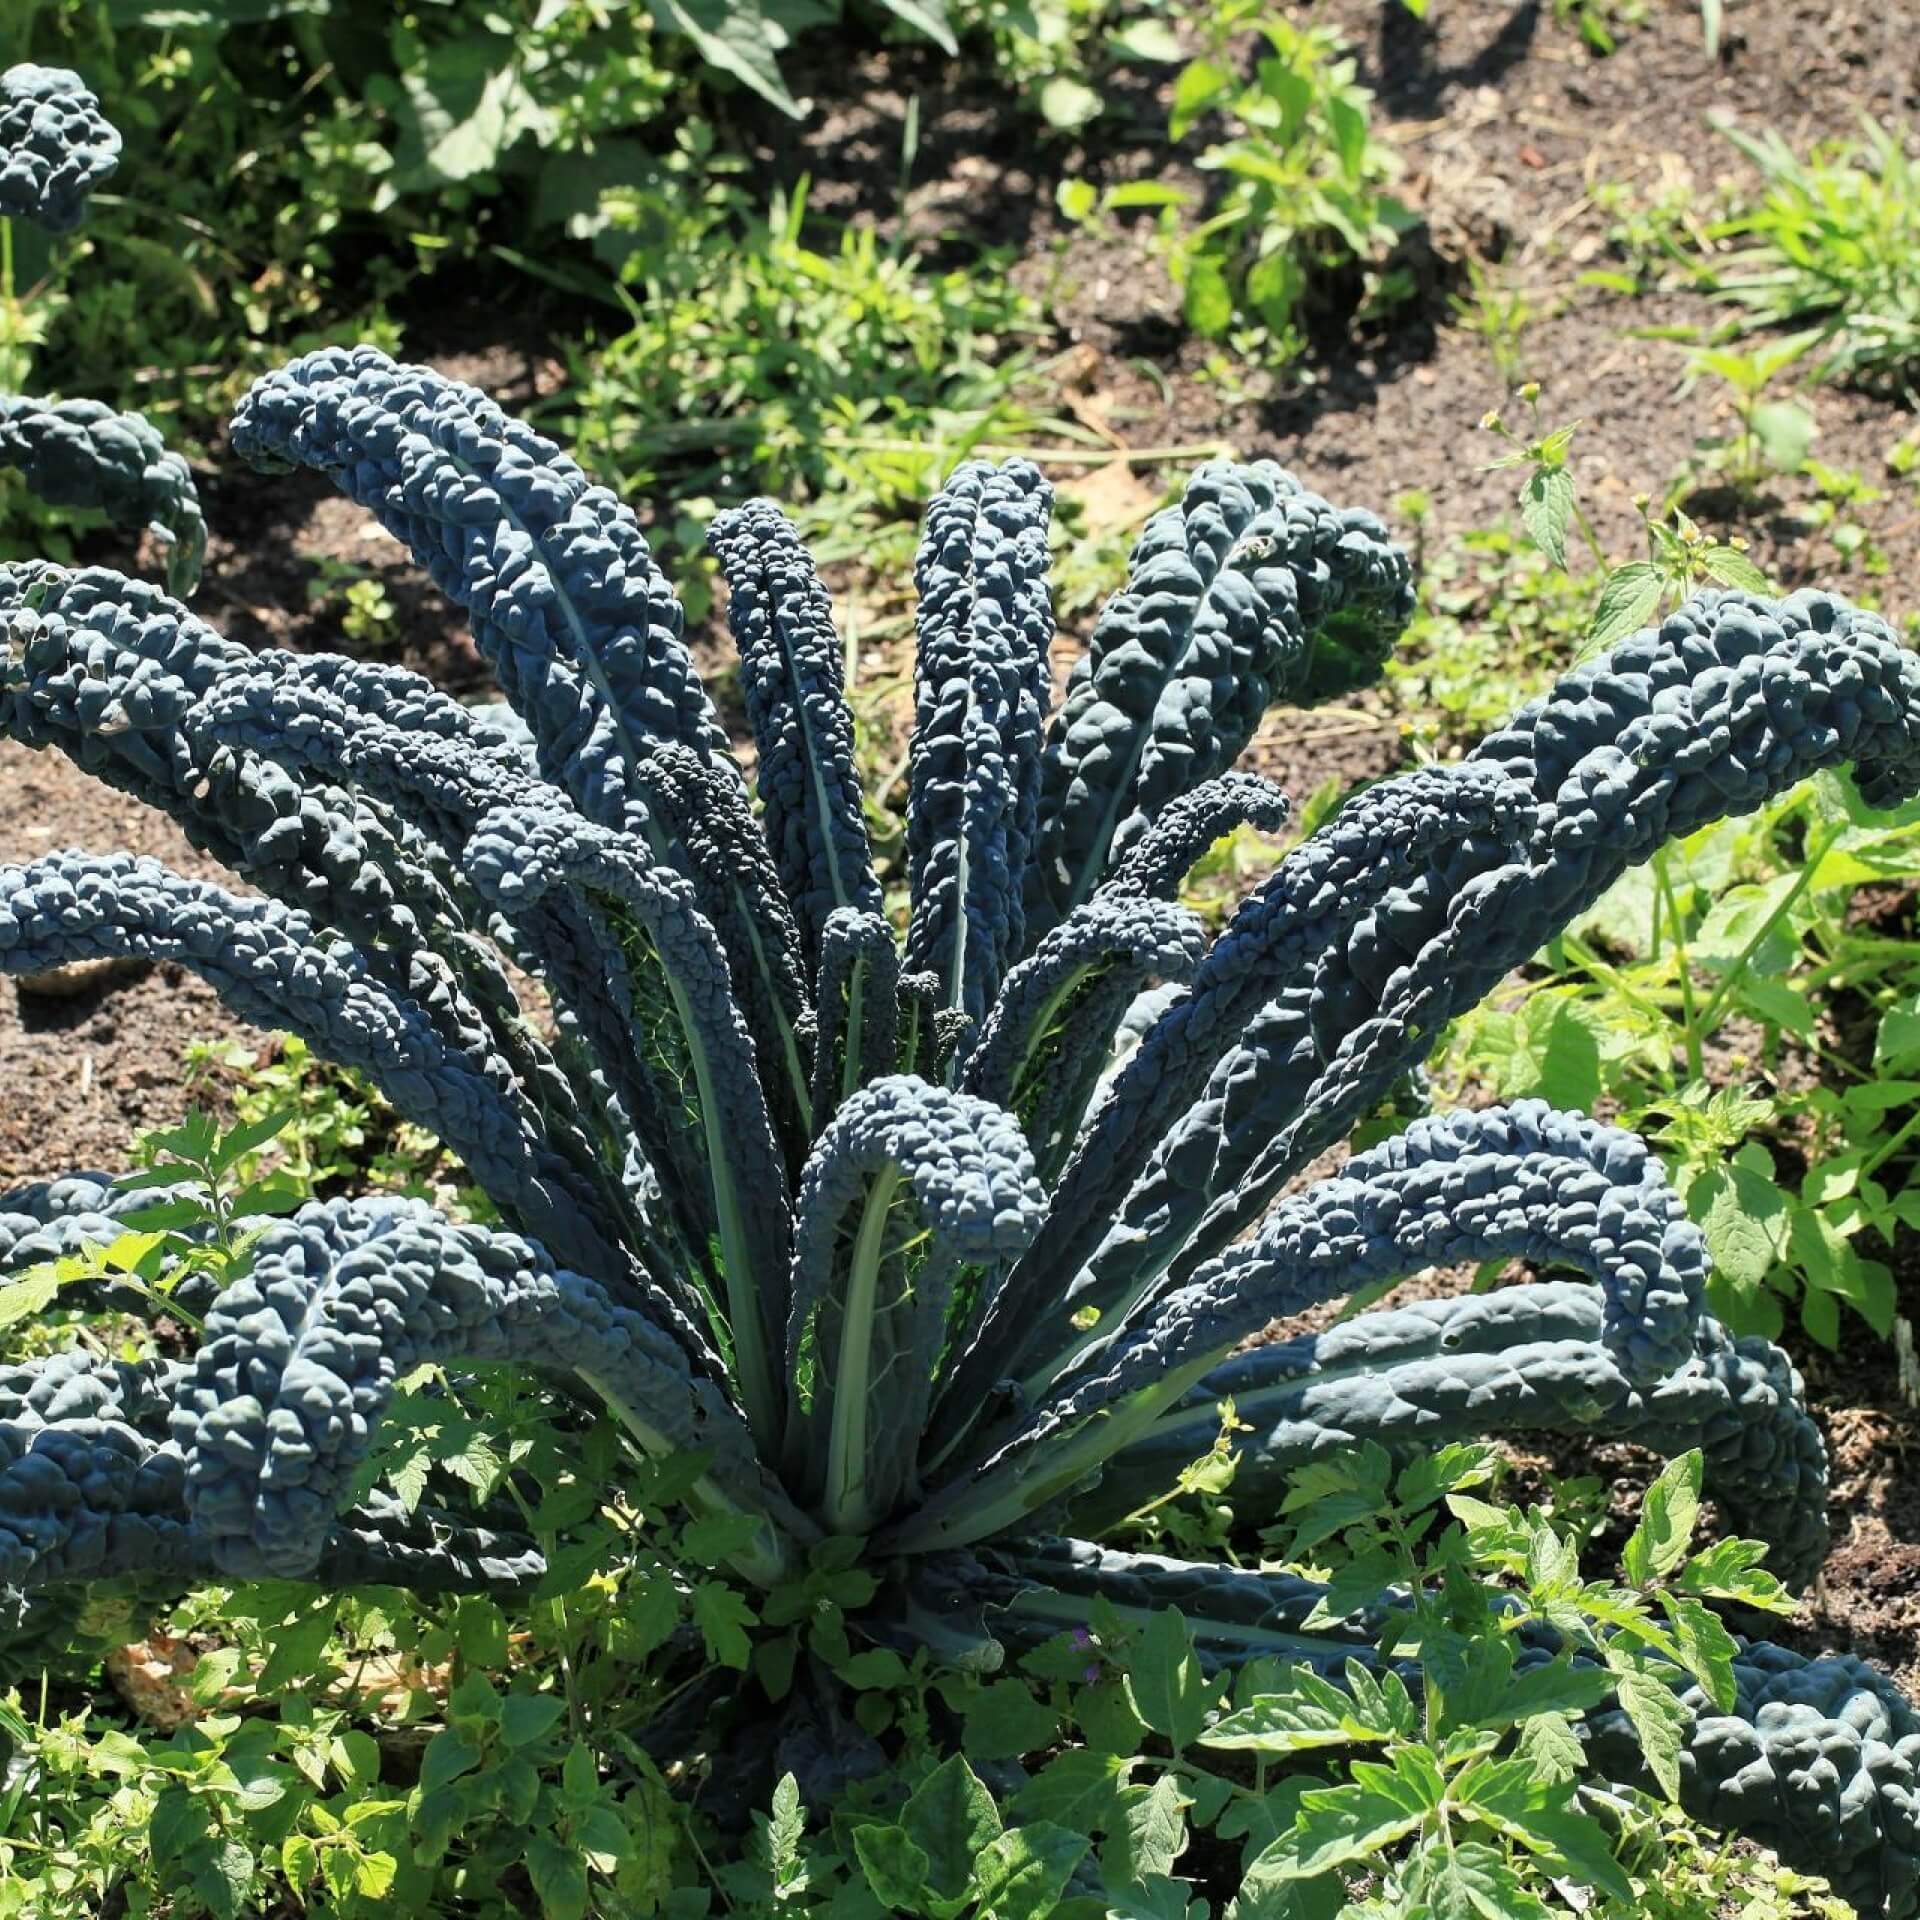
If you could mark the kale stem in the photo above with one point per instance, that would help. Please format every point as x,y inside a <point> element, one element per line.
<point>1696,1063</point>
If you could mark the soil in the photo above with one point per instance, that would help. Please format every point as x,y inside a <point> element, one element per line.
<point>1512,132</point>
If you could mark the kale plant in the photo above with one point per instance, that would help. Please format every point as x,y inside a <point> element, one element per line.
<point>883,1235</point>
<point>55,148</point>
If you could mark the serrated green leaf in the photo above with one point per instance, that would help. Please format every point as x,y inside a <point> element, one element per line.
<point>1079,1789</point>
<point>373,1874</point>
<point>1471,1881</point>
<point>1745,1219</point>
<point>1660,1722</point>
<point>1627,601</point>
<point>1165,1682</point>
<point>525,1717</point>
<point>1337,1827</point>
<point>1706,1647</point>
<point>1546,510</point>
<point>299,1860</point>
<point>1003,1720</point>
<point>28,1296</point>
<point>559,1878</point>
<point>1550,1746</point>
<point>1507,1796</point>
<point>896,1870</point>
<point>1732,568</point>
<point>1668,1516</point>
<point>736,37</point>
<point>1309,1713</point>
<point>1022,1874</point>
<point>786,1828</point>
<point>723,1617</point>
<point>950,1818</point>
<point>1155,1829</point>
<point>1732,1570</point>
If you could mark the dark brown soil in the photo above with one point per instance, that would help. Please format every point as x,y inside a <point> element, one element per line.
<point>1509,129</point>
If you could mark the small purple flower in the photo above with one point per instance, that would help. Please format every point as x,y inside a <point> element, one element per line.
<point>1081,1637</point>
<point>1091,1674</point>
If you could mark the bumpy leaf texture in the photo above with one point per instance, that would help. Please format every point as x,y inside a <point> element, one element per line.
<point>979,692</point>
<point>1523,1359</point>
<point>579,625</point>
<point>79,453</point>
<point>915,1195</point>
<point>1726,705</point>
<point>1251,590</point>
<point>793,678</point>
<point>55,146</point>
<point>1519,1182</point>
<point>302,1354</point>
<point>262,959</point>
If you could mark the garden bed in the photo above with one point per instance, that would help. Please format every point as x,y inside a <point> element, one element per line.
<point>1508,128</point>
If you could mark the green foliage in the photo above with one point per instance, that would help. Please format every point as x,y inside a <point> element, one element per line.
<point>294,167</point>
<point>477,1758</point>
<point>1498,622</point>
<point>1680,556</point>
<point>756,357</point>
<point>1794,1163</point>
<point>1601,22</point>
<point>1303,219</point>
<point>1829,242</point>
<point>1774,434</point>
<point>1059,52</point>
<point>334,1131</point>
<point>1499,314</point>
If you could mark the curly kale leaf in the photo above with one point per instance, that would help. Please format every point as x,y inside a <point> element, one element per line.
<point>265,962</point>
<point>55,146</point>
<point>126,682</point>
<point>913,1203</point>
<point>79,453</point>
<point>1250,591</point>
<point>1050,1031</point>
<point>1519,1182</point>
<point>1729,703</point>
<point>1521,1359</point>
<point>301,1357</point>
<point>1367,852</point>
<point>857,1037</point>
<point>793,679</point>
<point>1158,862</point>
<point>703,810</point>
<point>979,694</point>
<point>696,1099</point>
<point>550,568</point>
<point>577,622</point>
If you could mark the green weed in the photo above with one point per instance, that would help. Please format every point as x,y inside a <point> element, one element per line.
<point>1829,243</point>
<point>1303,216</point>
